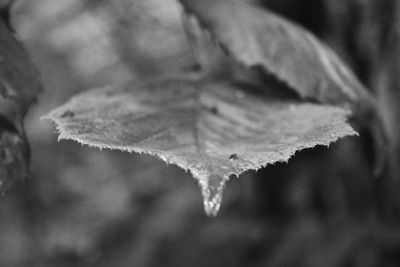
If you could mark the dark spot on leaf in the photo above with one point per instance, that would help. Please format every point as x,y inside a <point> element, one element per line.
<point>234,157</point>
<point>214,110</point>
<point>68,114</point>
<point>6,156</point>
<point>194,67</point>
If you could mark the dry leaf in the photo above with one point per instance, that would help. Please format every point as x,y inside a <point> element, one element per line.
<point>20,83</point>
<point>14,155</point>
<point>256,37</point>
<point>214,129</point>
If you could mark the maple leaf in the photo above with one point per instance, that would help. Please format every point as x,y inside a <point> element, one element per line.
<point>212,128</point>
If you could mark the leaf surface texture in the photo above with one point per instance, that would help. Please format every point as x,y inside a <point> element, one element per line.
<point>214,129</point>
<point>257,37</point>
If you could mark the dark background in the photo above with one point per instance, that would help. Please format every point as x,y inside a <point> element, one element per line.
<point>85,207</point>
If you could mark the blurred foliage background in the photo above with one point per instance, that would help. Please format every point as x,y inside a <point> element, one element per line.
<point>85,207</point>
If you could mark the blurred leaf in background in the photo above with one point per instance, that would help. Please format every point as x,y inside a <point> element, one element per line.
<point>19,86</point>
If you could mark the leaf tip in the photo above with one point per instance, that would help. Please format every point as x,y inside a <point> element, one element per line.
<point>212,188</point>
